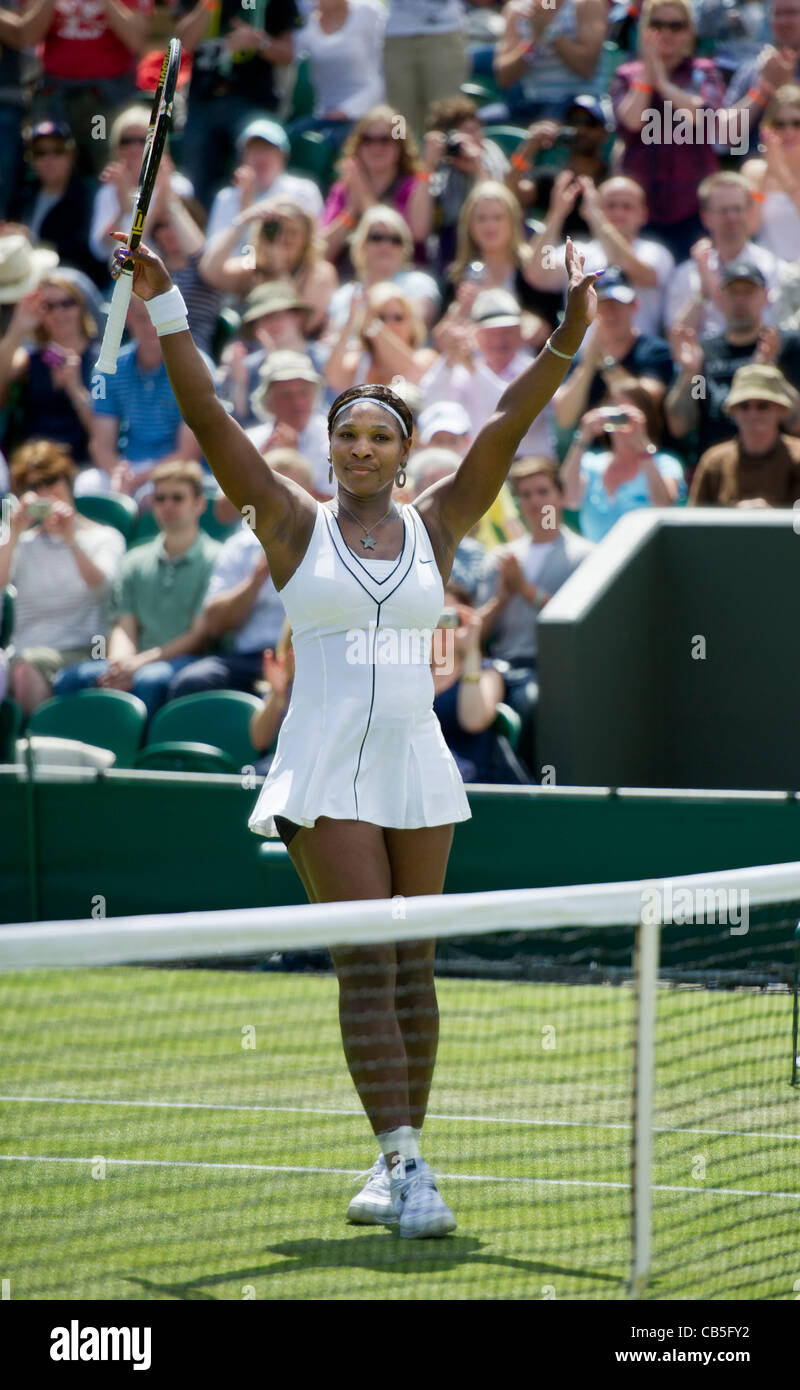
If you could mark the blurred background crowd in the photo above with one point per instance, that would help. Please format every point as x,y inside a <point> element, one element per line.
<point>380,191</point>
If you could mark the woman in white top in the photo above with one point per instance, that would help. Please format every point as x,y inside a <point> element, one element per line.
<point>775,179</point>
<point>113,203</point>
<point>362,786</point>
<point>343,42</point>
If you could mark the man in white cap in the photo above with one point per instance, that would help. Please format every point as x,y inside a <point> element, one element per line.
<point>761,466</point>
<point>263,149</point>
<point>236,49</point>
<point>478,363</point>
<point>277,319</point>
<point>445,425</point>
<point>287,400</point>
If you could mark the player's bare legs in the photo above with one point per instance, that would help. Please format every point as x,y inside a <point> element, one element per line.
<point>387,999</point>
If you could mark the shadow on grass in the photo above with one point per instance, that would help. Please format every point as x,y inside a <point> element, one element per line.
<point>377,1252</point>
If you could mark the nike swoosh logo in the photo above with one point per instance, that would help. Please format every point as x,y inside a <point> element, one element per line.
<point>425,562</point>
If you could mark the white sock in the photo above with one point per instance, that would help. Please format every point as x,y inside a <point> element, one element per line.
<point>403,1141</point>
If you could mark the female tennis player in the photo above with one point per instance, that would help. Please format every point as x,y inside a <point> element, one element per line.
<point>362,789</point>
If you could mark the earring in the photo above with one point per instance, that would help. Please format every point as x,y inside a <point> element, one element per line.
<point>400,477</point>
<point>330,473</point>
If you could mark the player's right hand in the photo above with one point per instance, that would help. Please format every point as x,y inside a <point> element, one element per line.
<point>150,275</point>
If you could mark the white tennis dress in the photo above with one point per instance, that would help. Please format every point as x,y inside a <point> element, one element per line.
<point>360,740</point>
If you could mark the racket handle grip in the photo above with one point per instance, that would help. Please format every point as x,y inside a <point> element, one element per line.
<point>115,324</point>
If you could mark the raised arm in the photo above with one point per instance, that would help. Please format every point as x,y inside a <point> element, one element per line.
<point>456,503</point>
<point>283,512</point>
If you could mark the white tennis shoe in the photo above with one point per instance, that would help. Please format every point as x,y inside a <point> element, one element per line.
<point>419,1210</point>
<point>372,1206</point>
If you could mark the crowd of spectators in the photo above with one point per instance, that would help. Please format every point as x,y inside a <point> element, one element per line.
<point>380,191</point>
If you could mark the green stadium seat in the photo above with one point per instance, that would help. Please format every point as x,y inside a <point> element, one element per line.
<point>112,509</point>
<point>303,97</point>
<point>10,728</point>
<point>181,756</point>
<point>311,154</point>
<point>144,529</point>
<point>218,717</point>
<point>508,137</point>
<point>112,719</point>
<point>7,615</point>
<point>508,723</point>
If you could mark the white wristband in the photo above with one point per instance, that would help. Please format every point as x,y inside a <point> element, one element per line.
<point>168,312</point>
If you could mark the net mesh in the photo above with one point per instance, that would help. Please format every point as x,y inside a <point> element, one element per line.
<point>188,1128</point>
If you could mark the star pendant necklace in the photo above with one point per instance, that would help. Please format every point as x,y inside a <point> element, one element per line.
<point>367,540</point>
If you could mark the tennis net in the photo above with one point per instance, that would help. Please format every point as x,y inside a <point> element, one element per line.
<point>613,1108</point>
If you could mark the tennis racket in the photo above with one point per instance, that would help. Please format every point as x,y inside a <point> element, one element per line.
<point>160,120</point>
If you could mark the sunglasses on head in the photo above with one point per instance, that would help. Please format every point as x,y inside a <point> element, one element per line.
<point>50,304</point>
<point>170,497</point>
<point>377,139</point>
<point>391,237</point>
<point>671,26</point>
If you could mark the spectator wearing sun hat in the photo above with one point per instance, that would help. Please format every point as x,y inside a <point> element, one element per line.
<point>233,76</point>
<point>761,466</point>
<point>262,149</point>
<point>287,401</point>
<point>276,317</point>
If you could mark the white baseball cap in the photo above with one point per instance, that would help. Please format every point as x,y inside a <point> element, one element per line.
<point>442,415</point>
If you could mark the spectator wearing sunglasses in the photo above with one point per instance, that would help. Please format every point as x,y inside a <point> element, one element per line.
<point>55,204</point>
<point>380,164</point>
<point>113,204</point>
<point>756,81</point>
<point>157,597</point>
<point>773,177</point>
<point>381,250</point>
<point>47,359</point>
<point>391,338</point>
<point>761,466</point>
<point>61,565</point>
<point>671,81</point>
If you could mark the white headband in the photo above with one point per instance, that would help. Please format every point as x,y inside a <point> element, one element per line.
<point>373,401</point>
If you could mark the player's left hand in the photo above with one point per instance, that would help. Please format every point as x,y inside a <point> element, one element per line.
<point>581,297</point>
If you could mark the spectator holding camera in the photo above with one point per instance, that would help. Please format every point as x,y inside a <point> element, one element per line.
<point>616,213</point>
<point>579,145</point>
<point>548,53</point>
<point>492,253</point>
<point>715,358</point>
<point>157,598</point>
<point>285,247</point>
<point>391,338</point>
<point>457,155</point>
<point>47,359</point>
<point>614,342</point>
<point>61,565</point>
<point>761,466</point>
<point>614,466</point>
<point>263,149</point>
